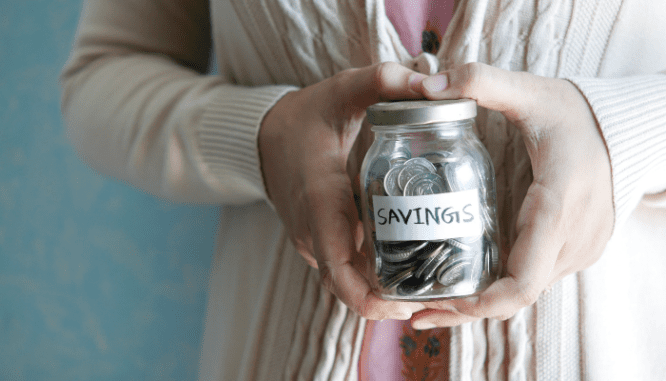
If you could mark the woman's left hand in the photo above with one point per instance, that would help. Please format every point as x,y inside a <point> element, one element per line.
<point>567,216</point>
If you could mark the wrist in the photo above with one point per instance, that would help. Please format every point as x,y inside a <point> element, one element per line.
<point>271,142</point>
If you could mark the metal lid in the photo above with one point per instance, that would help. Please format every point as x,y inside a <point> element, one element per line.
<point>420,112</point>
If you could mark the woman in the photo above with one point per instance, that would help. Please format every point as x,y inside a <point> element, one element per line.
<point>282,122</point>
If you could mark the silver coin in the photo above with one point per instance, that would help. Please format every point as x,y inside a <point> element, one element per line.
<point>477,273</point>
<point>431,249</point>
<point>398,161</point>
<point>424,184</point>
<point>413,167</point>
<point>394,280</point>
<point>453,273</point>
<point>378,168</point>
<point>440,157</point>
<point>427,269</point>
<point>447,172</point>
<point>441,171</point>
<point>399,155</point>
<point>398,251</point>
<point>459,245</point>
<point>415,287</point>
<point>378,264</point>
<point>488,224</point>
<point>391,186</point>
<point>395,148</point>
<point>428,255</point>
<point>462,175</point>
<point>491,257</point>
<point>392,268</point>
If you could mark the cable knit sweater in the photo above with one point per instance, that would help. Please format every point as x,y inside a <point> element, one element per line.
<point>140,108</point>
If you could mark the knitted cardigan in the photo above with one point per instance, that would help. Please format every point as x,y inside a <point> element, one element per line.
<point>140,107</point>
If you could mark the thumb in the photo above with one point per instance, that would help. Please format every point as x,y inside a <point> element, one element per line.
<point>514,94</point>
<point>388,81</point>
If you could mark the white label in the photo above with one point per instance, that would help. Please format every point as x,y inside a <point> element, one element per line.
<point>430,217</point>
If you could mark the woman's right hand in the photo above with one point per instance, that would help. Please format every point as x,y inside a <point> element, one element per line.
<point>567,215</point>
<point>305,143</point>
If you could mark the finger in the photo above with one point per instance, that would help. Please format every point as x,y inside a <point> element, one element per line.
<point>386,81</point>
<point>514,94</point>
<point>333,224</point>
<point>433,318</point>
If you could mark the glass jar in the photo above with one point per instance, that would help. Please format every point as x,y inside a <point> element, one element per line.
<point>429,202</point>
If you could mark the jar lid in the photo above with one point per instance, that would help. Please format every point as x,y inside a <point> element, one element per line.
<point>420,112</point>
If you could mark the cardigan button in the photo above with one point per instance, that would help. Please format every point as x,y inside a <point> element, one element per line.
<point>429,42</point>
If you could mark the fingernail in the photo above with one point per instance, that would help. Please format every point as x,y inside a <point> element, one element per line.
<point>435,83</point>
<point>415,79</point>
<point>421,325</point>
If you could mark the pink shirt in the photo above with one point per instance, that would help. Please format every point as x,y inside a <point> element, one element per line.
<point>411,17</point>
<point>392,350</point>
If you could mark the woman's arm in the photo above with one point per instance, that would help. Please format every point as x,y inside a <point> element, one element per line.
<point>139,107</point>
<point>631,114</point>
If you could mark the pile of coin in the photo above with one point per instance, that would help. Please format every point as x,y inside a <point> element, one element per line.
<point>413,268</point>
<point>416,267</point>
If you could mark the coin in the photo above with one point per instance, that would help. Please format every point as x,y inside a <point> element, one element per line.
<point>427,269</point>
<point>432,248</point>
<point>459,245</point>
<point>395,150</point>
<point>391,186</point>
<point>414,167</point>
<point>399,156</point>
<point>441,170</point>
<point>477,273</point>
<point>491,256</point>
<point>461,175</point>
<point>378,168</point>
<point>394,280</point>
<point>378,259</point>
<point>440,157</point>
<point>415,287</point>
<point>398,160</point>
<point>398,251</point>
<point>424,184</point>
<point>488,224</point>
<point>392,268</point>
<point>453,273</point>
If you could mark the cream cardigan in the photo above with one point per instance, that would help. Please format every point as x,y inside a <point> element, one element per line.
<point>139,108</point>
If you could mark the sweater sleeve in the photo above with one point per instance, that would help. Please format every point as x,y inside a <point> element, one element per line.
<point>139,107</point>
<point>631,113</point>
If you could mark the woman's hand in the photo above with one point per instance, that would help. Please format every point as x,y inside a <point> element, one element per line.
<point>305,142</point>
<point>567,216</point>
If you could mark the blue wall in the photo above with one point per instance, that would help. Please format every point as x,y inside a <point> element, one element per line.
<point>98,281</point>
